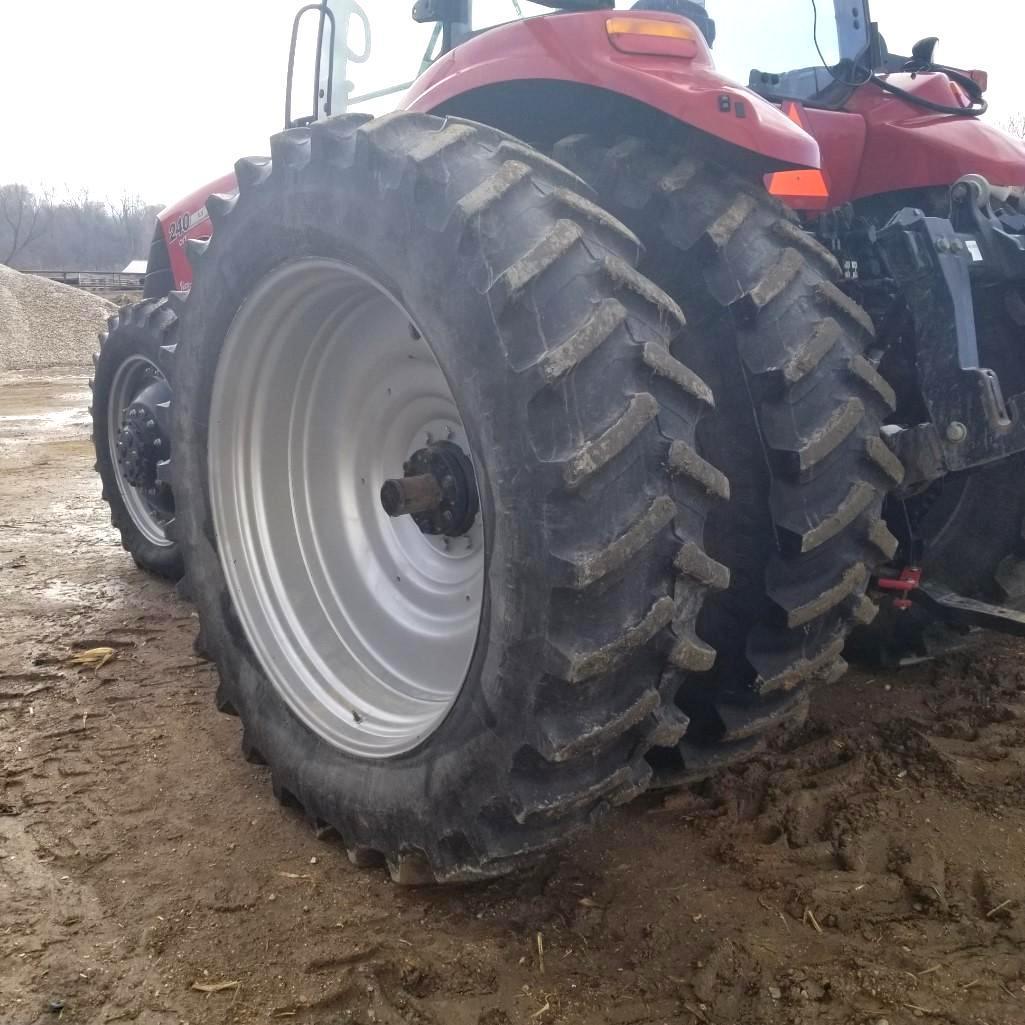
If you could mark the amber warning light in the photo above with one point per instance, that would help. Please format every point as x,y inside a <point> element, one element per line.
<point>653,36</point>
<point>806,189</point>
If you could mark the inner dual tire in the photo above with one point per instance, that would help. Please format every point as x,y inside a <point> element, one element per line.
<point>452,703</point>
<point>795,429</point>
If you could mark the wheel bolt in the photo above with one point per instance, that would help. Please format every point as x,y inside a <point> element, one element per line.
<point>956,432</point>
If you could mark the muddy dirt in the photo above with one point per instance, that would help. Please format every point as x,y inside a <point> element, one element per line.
<point>873,871</point>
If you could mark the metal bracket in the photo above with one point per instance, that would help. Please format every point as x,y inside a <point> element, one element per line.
<point>958,610</point>
<point>970,422</point>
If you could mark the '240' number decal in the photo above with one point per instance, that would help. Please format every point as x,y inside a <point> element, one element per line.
<point>184,223</point>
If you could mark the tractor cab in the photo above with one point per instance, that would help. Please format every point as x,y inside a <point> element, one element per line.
<point>788,50</point>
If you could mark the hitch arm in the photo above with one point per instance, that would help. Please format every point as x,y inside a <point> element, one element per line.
<point>958,610</point>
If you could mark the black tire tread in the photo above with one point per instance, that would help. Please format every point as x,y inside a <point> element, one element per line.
<point>801,343</point>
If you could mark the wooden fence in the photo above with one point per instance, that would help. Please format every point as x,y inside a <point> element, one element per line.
<point>95,281</point>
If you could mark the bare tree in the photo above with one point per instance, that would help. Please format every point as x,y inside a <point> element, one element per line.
<point>126,214</point>
<point>1015,124</point>
<point>26,218</point>
<point>75,233</point>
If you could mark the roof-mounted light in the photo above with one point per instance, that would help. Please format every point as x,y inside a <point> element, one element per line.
<point>653,36</point>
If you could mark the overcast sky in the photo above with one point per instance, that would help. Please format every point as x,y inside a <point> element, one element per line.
<point>158,98</point>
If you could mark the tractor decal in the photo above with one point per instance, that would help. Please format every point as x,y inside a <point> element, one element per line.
<point>179,228</point>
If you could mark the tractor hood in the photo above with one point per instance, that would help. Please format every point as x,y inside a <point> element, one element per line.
<point>882,143</point>
<point>187,219</point>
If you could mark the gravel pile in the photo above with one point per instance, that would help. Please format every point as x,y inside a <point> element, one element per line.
<point>46,324</point>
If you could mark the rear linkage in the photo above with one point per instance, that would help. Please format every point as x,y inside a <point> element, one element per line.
<point>949,607</point>
<point>934,263</point>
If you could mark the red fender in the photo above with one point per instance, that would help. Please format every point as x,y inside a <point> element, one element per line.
<point>188,219</point>
<point>576,48</point>
<point>567,48</point>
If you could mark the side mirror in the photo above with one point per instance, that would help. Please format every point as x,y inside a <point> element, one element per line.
<point>922,54</point>
<point>441,10</point>
<point>578,5</point>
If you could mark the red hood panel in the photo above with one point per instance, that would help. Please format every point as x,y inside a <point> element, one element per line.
<point>188,219</point>
<point>882,143</point>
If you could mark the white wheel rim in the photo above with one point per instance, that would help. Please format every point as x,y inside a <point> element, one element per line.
<point>365,626</point>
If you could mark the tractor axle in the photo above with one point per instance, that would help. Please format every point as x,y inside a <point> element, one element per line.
<point>438,490</point>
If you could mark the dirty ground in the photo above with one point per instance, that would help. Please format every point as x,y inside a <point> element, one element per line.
<point>873,871</point>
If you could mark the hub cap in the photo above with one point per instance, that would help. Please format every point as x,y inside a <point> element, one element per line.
<point>139,449</point>
<point>365,622</point>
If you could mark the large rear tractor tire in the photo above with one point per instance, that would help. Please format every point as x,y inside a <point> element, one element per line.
<point>426,316</point>
<point>796,430</point>
<point>132,432</point>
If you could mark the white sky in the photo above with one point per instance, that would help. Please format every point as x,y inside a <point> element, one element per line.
<point>158,98</point>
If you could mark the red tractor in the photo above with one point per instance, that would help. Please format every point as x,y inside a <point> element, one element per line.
<point>551,434</point>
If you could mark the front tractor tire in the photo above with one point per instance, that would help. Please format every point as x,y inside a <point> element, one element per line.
<point>132,432</point>
<point>796,430</point>
<point>440,504</point>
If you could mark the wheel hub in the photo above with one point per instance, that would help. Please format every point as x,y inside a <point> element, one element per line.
<point>138,438</point>
<point>437,489</point>
<point>139,446</point>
